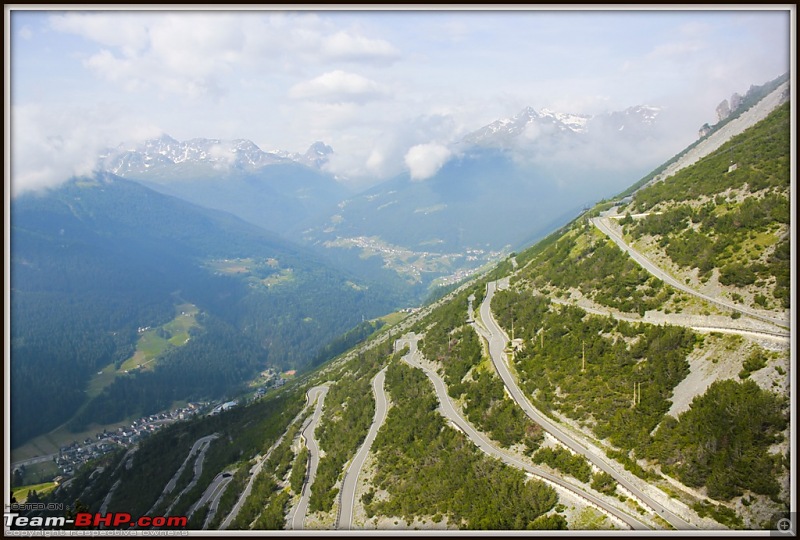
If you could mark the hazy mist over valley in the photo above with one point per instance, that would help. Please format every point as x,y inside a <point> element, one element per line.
<point>419,269</point>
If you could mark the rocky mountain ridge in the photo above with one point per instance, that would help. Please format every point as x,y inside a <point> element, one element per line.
<point>530,123</point>
<point>222,155</point>
<point>712,137</point>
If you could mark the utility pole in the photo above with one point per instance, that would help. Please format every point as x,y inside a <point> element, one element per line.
<point>633,404</point>
<point>583,366</point>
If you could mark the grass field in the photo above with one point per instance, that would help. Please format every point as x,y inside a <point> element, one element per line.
<point>393,318</point>
<point>150,346</point>
<point>152,343</point>
<point>102,379</point>
<point>284,276</point>
<point>21,493</point>
<point>231,266</point>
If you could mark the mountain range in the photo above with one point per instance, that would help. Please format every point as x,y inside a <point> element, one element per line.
<point>502,133</point>
<point>494,195</point>
<point>629,371</point>
<point>158,156</point>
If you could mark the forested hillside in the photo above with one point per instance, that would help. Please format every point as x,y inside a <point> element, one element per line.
<point>725,221</point>
<point>99,260</point>
<point>634,362</point>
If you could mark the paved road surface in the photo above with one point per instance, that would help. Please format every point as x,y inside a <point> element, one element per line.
<point>644,262</point>
<point>255,470</point>
<point>348,494</point>
<point>107,500</point>
<point>497,342</point>
<point>198,444</point>
<point>450,412</point>
<point>691,321</point>
<point>216,495</point>
<point>317,393</point>
<point>198,470</point>
<point>212,493</point>
<point>33,461</point>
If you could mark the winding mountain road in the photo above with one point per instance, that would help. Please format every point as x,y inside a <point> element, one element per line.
<point>216,494</point>
<point>700,323</point>
<point>256,469</point>
<point>307,433</point>
<point>497,342</point>
<point>211,495</point>
<point>603,226</point>
<point>198,470</point>
<point>348,493</point>
<point>449,411</point>
<point>199,445</point>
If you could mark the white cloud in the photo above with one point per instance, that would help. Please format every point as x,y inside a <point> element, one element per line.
<point>52,144</point>
<point>425,160</point>
<point>368,83</point>
<point>338,87</point>
<point>345,46</point>
<point>118,70</point>
<point>194,54</point>
<point>224,154</point>
<point>129,32</point>
<point>370,147</point>
<point>376,161</point>
<point>186,54</point>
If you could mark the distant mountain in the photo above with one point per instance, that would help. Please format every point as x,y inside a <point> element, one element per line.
<point>501,131</point>
<point>153,155</point>
<point>97,260</point>
<point>316,156</point>
<point>477,207</point>
<point>506,132</point>
<point>508,183</point>
<point>274,190</point>
<point>504,186</point>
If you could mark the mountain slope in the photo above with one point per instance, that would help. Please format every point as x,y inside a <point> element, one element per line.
<point>97,260</point>
<point>590,353</point>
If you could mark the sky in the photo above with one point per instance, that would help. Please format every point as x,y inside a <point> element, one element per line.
<point>389,90</point>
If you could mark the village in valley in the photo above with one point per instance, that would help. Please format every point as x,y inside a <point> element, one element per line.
<point>72,456</point>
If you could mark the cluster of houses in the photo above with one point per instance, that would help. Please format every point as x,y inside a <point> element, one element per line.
<point>224,407</point>
<point>273,380</point>
<point>71,457</point>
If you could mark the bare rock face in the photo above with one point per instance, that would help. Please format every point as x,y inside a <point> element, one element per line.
<point>736,100</point>
<point>723,110</point>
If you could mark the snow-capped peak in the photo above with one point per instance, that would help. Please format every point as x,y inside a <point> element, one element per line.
<point>237,153</point>
<point>501,133</point>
